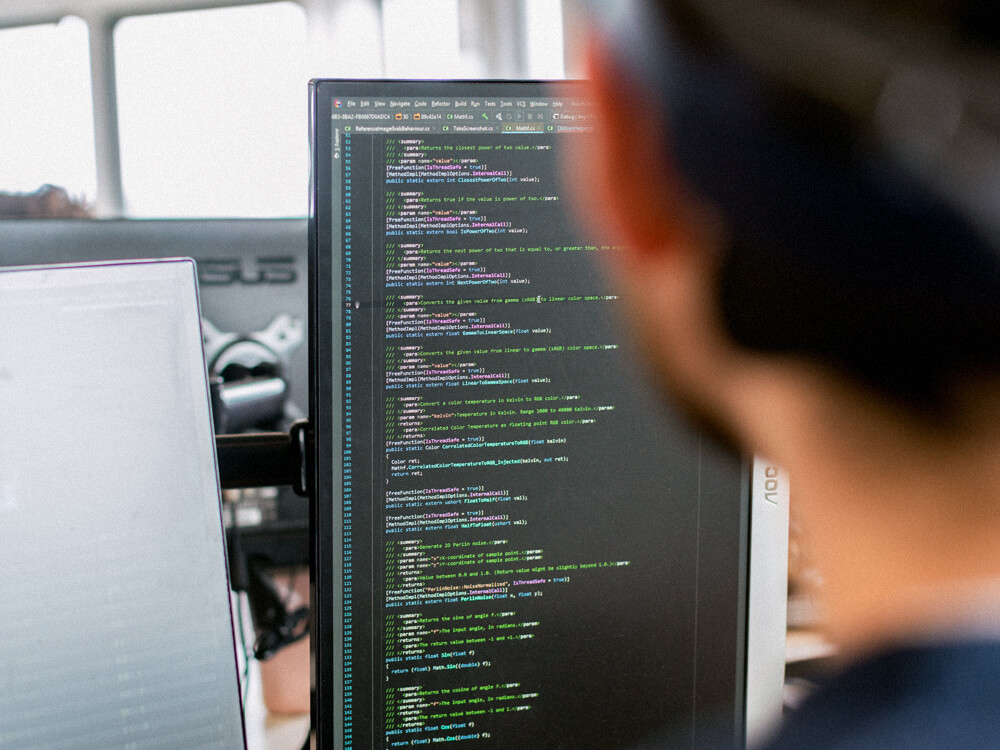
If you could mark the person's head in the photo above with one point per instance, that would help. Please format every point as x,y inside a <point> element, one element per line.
<point>48,202</point>
<point>808,195</point>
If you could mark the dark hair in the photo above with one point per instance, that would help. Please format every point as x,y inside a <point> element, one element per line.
<point>841,249</point>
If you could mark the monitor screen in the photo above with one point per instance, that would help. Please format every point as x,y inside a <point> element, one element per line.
<point>116,629</point>
<point>516,543</point>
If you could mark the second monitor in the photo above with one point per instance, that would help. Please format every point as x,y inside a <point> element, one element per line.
<point>517,545</point>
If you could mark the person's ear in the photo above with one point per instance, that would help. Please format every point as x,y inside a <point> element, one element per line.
<point>625,181</point>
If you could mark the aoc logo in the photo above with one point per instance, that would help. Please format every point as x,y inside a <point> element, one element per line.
<point>266,269</point>
<point>772,484</point>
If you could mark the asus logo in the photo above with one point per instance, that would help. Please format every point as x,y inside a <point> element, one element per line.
<point>267,269</point>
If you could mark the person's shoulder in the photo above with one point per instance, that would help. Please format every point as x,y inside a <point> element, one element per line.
<point>942,696</point>
<point>918,698</point>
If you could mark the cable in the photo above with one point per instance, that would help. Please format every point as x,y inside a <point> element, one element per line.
<point>245,676</point>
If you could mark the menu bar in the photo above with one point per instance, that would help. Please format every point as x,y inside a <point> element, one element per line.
<point>462,115</point>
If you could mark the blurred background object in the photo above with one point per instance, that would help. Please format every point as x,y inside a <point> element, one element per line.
<point>48,202</point>
<point>124,102</point>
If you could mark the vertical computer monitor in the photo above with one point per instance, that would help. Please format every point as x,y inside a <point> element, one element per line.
<point>116,628</point>
<point>516,543</point>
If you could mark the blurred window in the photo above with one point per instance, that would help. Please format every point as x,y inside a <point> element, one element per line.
<point>212,112</point>
<point>212,104</point>
<point>422,40</point>
<point>46,109</point>
<point>346,40</point>
<point>543,29</point>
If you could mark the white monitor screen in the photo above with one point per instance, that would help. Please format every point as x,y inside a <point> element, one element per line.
<point>116,628</point>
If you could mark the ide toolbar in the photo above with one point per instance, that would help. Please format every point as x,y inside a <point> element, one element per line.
<point>485,115</point>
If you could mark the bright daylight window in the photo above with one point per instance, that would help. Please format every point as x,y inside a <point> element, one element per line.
<point>212,112</point>
<point>421,40</point>
<point>543,29</point>
<point>46,127</point>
